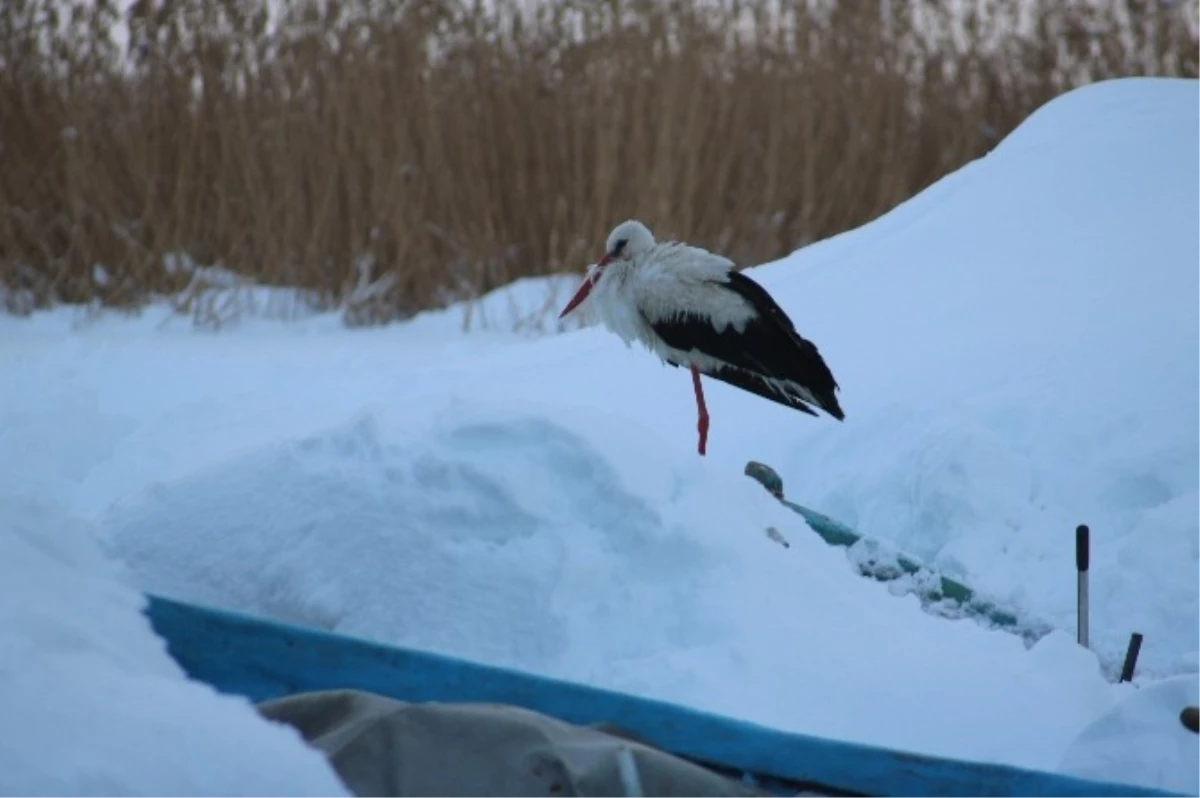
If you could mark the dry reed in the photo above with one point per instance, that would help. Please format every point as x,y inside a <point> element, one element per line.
<point>450,148</point>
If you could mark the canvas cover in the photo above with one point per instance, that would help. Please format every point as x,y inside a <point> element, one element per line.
<point>380,746</point>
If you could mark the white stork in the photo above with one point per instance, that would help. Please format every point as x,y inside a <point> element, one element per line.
<point>692,308</point>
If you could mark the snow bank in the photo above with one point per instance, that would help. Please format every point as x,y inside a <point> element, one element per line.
<point>92,702</point>
<point>1017,349</point>
<point>1144,735</point>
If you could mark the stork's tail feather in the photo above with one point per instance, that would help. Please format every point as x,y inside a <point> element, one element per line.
<point>829,403</point>
<point>810,371</point>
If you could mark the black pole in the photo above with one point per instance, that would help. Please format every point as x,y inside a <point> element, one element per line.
<point>1131,655</point>
<point>1082,555</point>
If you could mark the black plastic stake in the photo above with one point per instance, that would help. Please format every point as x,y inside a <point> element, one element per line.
<point>1131,655</point>
<point>1082,555</point>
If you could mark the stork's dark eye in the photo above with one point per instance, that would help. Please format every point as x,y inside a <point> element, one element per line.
<point>620,245</point>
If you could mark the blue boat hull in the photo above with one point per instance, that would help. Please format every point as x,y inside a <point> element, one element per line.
<point>261,660</point>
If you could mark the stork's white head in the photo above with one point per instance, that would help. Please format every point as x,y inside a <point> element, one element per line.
<point>628,241</point>
<point>627,244</point>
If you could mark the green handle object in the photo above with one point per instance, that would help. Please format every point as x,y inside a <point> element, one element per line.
<point>939,594</point>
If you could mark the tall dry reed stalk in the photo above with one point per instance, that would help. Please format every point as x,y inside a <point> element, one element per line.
<point>457,146</point>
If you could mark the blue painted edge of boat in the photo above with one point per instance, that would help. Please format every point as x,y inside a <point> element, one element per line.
<point>262,659</point>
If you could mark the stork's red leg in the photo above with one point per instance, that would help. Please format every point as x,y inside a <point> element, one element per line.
<point>702,424</point>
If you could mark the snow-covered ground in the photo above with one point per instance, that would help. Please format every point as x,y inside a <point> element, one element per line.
<point>90,702</point>
<point>1017,350</point>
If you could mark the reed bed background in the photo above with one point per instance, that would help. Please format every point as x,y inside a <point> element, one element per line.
<point>398,156</point>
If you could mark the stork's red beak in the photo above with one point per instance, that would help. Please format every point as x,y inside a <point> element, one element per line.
<point>589,283</point>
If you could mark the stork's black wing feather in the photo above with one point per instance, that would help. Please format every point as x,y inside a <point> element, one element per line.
<point>751,382</point>
<point>767,349</point>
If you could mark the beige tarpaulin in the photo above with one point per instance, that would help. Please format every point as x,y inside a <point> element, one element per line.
<point>380,746</point>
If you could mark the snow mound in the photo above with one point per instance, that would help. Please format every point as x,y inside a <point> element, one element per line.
<point>1143,735</point>
<point>510,539</point>
<point>531,538</point>
<point>1017,349</point>
<point>92,702</point>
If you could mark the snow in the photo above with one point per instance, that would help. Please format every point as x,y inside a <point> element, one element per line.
<point>92,702</point>
<point>1143,734</point>
<point>1018,355</point>
<point>1017,350</point>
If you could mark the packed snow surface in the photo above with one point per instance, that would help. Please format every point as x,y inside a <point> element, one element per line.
<point>1017,351</point>
<point>1143,734</point>
<point>92,703</point>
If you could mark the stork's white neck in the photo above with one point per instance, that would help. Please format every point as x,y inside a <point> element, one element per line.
<point>615,301</point>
